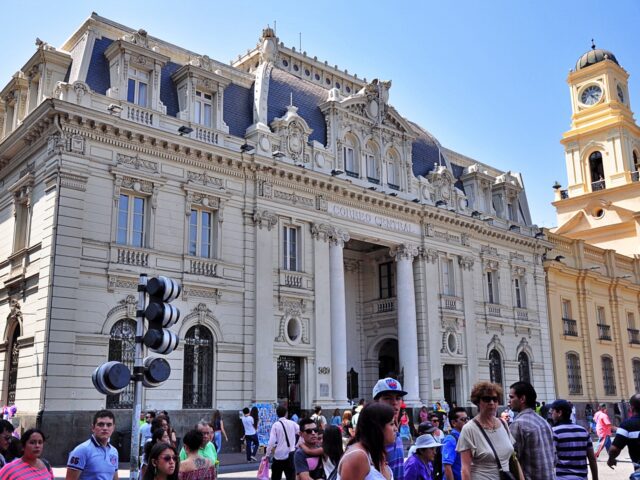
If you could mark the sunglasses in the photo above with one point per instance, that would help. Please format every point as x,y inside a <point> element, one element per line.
<point>168,458</point>
<point>488,399</point>
<point>309,431</point>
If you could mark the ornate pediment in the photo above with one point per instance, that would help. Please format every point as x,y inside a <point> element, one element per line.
<point>442,181</point>
<point>294,133</point>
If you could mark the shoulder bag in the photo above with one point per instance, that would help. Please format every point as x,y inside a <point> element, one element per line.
<point>286,437</point>
<point>503,475</point>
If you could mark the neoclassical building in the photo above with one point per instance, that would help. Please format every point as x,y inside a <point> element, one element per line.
<point>594,268</point>
<point>322,239</point>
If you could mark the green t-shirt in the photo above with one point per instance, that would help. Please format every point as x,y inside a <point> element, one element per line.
<point>208,451</point>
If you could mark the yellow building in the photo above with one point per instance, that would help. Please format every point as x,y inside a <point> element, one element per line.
<point>593,270</point>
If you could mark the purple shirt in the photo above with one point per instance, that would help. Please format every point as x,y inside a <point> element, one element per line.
<point>415,469</point>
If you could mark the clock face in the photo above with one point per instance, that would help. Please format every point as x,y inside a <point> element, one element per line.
<point>620,94</point>
<point>591,95</point>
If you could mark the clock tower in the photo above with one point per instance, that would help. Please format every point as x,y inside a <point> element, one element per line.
<point>601,203</point>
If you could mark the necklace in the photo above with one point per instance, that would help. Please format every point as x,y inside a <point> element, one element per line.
<point>489,427</point>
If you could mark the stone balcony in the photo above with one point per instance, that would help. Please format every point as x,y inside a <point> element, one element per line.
<point>450,302</point>
<point>381,305</point>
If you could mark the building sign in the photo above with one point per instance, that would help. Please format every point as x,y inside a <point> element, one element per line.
<point>373,219</point>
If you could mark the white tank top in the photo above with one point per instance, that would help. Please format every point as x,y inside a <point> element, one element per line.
<point>373,473</point>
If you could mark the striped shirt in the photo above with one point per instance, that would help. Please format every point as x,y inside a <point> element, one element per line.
<point>395,458</point>
<point>572,442</point>
<point>20,470</point>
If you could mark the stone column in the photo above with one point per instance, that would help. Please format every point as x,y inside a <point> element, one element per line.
<point>337,238</point>
<point>434,389</point>
<point>407,326</point>
<point>470,328</point>
<point>322,314</point>
<point>265,368</point>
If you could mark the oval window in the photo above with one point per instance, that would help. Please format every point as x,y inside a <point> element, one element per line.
<point>294,330</point>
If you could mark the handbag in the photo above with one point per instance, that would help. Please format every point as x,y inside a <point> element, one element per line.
<point>503,475</point>
<point>514,464</point>
<point>263,470</point>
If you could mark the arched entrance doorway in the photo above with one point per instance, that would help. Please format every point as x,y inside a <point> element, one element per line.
<point>388,363</point>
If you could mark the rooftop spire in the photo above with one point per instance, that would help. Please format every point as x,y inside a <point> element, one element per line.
<point>593,44</point>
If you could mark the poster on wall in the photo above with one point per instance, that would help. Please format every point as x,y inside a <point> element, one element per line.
<point>267,416</point>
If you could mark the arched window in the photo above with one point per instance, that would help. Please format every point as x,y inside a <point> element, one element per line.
<point>597,171</point>
<point>197,386</point>
<point>495,367</point>
<point>608,376</point>
<point>122,348</point>
<point>350,156</point>
<point>636,374</point>
<point>372,161</point>
<point>524,370</point>
<point>574,376</point>
<point>14,356</point>
<point>393,170</point>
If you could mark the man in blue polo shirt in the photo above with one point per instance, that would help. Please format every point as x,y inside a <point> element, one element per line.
<point>450,458</point>
<point>95,459</point>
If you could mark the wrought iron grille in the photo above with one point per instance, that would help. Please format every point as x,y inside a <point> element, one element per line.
<point>636,374</point>
<point>523,367</point>
<point>608,376</point>
<point>122,348</point>
<point>13,368</point>
<point>197,386</point>
<point>570,327</point>
<point>495,367</point>
<point>289,382</point>
<point>573,374</point>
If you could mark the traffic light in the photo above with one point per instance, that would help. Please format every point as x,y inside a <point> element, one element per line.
<point>111,378</point>
<point>156,371</point>
<point>161,315</point>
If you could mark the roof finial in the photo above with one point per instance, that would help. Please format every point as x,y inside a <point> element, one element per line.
<point>593,44</point>
<point>291,99</point>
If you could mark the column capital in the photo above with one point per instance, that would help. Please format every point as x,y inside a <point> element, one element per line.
<point>265,218</point>
<point>404,251</point>
<point>466,262</point>
<point>338,237</point>
<point>321,231</point>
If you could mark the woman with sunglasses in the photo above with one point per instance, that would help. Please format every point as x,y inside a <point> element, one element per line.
<point>476,452</point>
<point>366,458</point>
<point>195,467</point>
<point>163,463</point>
<point>30,465</point>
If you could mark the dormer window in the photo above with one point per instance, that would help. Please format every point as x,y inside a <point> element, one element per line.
<point>393,170</point>
<point>201,97</point>
<point>349,156</point>
<point>371,160</point>
<point>203,108</point>
<point>138,87</point>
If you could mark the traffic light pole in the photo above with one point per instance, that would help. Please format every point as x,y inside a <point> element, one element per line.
<point>138,375</point>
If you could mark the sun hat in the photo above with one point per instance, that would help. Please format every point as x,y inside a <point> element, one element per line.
<point>424,441</point>
<point>387,385</point>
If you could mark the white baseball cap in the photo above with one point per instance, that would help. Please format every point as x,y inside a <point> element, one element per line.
<point>387,385</point>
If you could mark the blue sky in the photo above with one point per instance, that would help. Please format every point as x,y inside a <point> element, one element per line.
<point>488,79</point>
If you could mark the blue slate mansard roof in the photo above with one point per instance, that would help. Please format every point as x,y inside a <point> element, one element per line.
<point>238,107</point>
<point>306,96</point>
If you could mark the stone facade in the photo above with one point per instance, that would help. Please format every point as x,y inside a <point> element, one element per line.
<point>314,229</point>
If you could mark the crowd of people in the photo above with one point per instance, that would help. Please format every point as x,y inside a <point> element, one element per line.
<point>517,442</point>
<point>365,443</point>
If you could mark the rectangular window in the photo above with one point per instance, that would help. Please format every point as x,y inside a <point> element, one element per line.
<point>203,108</point>
<point>387,280</point>
<point>290,248</point>
<point>492,287</point>
<point>574,375</point>
<point>391,174</point>
<point>349,160</point>
<point>631,320</point>
<point>21,226</point>
<point>519,292</point>
<point>608,375</point>
<point>448,279</point>
<point>131,221</point>
<point>200,234</point>
<point>566,309</point>
<point>137,87</point>
<point>602,319</point>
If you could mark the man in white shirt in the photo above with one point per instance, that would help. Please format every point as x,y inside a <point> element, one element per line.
<point>250,435</point>
<point>282,445</point>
